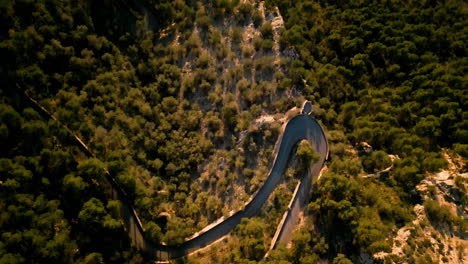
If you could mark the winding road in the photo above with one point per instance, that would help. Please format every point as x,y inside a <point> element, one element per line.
<point>302,126</point>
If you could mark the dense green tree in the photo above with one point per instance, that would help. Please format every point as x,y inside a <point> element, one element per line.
<point>251,232</point>
<point>156,108</point>
<point>229,115</point>
<point>376,161</point>
<point>341,259</point>
<point>306,154</point>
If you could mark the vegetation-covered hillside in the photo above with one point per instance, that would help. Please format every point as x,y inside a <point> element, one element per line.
<point>183,101</point>
<point>391,74</point>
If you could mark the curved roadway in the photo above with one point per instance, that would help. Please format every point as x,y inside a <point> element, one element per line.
<point>300,127</point>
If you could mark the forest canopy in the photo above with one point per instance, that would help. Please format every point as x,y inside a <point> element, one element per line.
<point>169,98</point>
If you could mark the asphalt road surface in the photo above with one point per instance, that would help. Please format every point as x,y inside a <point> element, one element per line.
<point>300,127</point>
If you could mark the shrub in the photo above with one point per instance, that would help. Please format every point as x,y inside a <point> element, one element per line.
<point>285,84</point>
<point>380,246</point>
<point>264,64</point>
<point>257,43</point>
<point>236,35</point>
<point>267,44</point>
<point>243,12</point>
<point>257,17</point>
<point>461,182</point>
<point>434,162</point>
<point>440,214</point>
<point>229,114</point>
<point>376,161</point>
<point>306,154</point>
<point>247,52</point>
<point>204,22</point>
<point>267,30</point>
<point>461,149</point>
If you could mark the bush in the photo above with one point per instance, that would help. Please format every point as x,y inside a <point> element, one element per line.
<point>380,246</point>
<point>461,182</point>
<point>229,115</point>
<point>376,161</point>
<point>243,12</point>
<point>247,52</point>
<point>236,35</point>
<point>204,22</point>
<point>307,154</point>
<point>267,44</point>
<point>440,215</point>
<point>461,149</point>
<point>251,233</point>
<point>257,17</point>
<point>257,43</point>
<point>264,64</point>
<point>267,30</point>
<point>407,176</point>
<point>433,162</point>
<point>341,259</point>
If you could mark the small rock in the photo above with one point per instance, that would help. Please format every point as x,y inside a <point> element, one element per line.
<point>364,147</point>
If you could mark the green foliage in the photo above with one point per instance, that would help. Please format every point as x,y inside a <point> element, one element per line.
<point>250,232</point>
<point>382,76</point>
<point>152,113</point>
<point>94,216</point>
<point>341,259</point>
<point>203,20</point>
<point>92,213</point>
<point>236,35</point>
<point>153,232</point>
<point>434,162</point>
<point>441,215</point>
<point>229,115</point>
<point>43,193</point>
<point>35,216</point>
<point>307,155</point>
<point>257,17</point>
<point>244,11</point>
<point>376,161</point>
<point>407,174</point>
<point>92,169</point>
<point>348,167</point>
<point>357,212</point>
<point>266,45</point>
<point>461,149</point>
<point>74,185</point>
<point>267,30</point>
<point>308,246</point>
<point>93,258</point>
